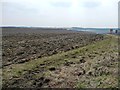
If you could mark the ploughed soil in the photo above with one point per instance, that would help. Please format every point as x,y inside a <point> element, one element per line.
<point>60,60</point>
<point>24,44</point>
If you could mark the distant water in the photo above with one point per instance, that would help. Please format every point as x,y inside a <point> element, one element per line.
<point>97,31</point>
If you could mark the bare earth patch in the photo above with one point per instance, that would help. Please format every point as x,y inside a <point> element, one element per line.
<point>92,66</point>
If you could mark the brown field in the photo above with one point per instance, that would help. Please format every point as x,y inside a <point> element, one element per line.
<point>21,45</point>
<point>44,57</point>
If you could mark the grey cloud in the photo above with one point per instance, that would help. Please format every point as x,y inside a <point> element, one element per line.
<point>16,8</point>
<point>91,4</point>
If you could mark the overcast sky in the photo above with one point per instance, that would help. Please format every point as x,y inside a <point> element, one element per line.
<point>60,13</point>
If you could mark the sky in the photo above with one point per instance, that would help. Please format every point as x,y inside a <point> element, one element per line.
<point>59,13</point>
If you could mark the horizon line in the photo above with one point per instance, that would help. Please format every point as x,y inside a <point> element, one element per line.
<point>51,26</point>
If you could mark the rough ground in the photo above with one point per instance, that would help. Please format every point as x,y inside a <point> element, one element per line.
<point>91,66</point>
<point>22,45</point>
